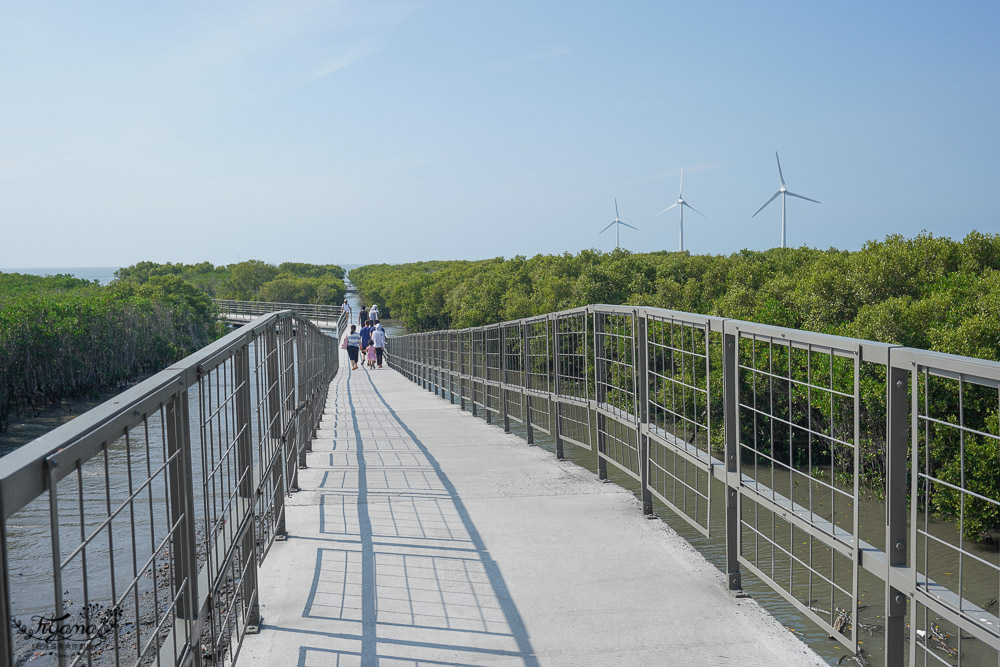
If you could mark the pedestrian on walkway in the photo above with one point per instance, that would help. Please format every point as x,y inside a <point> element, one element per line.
<point>379,338</point>
<point>372,356</point>
<point>346,307</point>
<point>353,344</point>
<point>373,313</point>
<point>366,335</point>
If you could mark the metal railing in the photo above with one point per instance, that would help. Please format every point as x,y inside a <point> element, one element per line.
<point>249,309</point>
<point>132,534</point>
<point>818,456</point>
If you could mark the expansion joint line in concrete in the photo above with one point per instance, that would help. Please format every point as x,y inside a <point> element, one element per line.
<point>369,614</point>
<point>511,614</point>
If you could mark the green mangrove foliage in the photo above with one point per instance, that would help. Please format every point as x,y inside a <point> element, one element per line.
<point>253,280</point>
<point>925,292</point>
<point>61,337</point>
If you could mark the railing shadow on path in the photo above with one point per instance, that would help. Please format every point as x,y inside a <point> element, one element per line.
<point>406,578</point>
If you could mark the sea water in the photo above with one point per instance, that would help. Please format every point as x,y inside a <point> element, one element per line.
<point>102,274</point>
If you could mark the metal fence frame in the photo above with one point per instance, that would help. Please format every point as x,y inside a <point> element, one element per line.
<point>634,386</point>
<point>228,428</point>
<point>249,309</point>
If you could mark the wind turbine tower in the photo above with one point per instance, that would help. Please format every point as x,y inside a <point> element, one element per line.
<point>618,226</point>
<point>680,204</point>
<point>783,191</point>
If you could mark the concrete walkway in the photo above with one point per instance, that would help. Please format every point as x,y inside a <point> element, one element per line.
<point>423,536</point>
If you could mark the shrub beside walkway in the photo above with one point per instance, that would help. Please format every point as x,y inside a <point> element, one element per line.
<point>424,536</point>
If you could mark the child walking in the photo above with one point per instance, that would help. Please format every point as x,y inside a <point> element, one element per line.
<point>371,355</point>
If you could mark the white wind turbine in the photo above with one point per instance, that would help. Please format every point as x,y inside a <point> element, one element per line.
<point>680,204</point>
<point>618,226</point>
<point>783,191</point>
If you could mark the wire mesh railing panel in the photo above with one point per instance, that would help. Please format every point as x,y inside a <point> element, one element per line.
<point>571,365</point>
<point>515,405</point>
<point>465,351</point>
<point>799,423</point>
<point>454,352</point>
<point>493,353</point>
<point>540,413</point>
<point>538,349</point>
<point>679,416</point>
<point>574,424</point>
<point>512,347</point>
<point>96,551</point>
<point>618,443</point>
<point>478,340</point>
<point>234,596</point>
<point>223,438</point>
<point>956,444</point>
<point>493,399</point>
<point>439,352</point>
<point>614,360</point>
<point>799,420</point>
<point>269,437</point>
<point>805,570</point>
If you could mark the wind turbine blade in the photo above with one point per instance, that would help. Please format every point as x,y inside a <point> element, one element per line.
<point>781,177</point>
<point>680,193</point>
<point>616,208</point>
<point>792,194</point>
<point>773,197</point>
<point>628,225</point>
<point>695,210</point>
<point>667,209</point>
<point>608,227</point>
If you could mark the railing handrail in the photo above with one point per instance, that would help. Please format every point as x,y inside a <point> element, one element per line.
<point>509,369</point>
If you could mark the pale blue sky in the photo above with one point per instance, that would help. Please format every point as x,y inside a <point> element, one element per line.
<point>398,131</point>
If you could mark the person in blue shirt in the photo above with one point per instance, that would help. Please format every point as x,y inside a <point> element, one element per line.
<point>366,335</point>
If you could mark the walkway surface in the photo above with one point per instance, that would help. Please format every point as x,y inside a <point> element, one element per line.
<point>423,536</point>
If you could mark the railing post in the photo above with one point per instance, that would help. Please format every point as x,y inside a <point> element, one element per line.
<point>730,407</point>
<point>602,465</point>
<point>896,508</point>
<point>555,386</point>
<point>525,397</point>
<point>241,361</point>
<point>185,552</point>
<point>640,375</point>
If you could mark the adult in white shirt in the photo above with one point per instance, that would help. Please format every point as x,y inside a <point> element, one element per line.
<point>378,338</point>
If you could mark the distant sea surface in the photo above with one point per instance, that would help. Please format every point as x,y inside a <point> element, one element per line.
<point>102,274</point>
